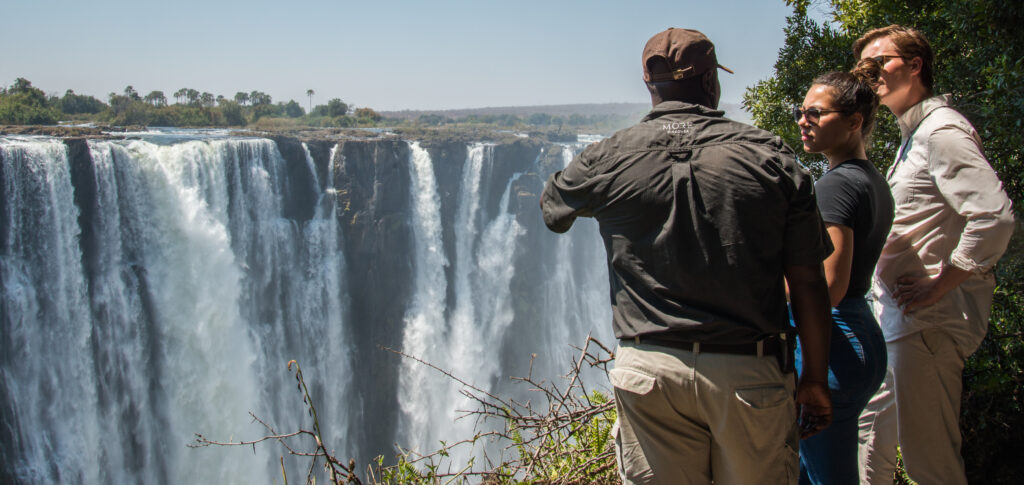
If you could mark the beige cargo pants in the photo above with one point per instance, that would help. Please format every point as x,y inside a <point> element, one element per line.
<point>690,418</point>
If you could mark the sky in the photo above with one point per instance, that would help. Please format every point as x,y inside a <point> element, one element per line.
<point>386,55</point>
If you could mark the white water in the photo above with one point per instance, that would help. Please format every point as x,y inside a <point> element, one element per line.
<point>179,341</point>
<point>424,320</point>
<point>43,296</point>
<point>468,342</point>
<point>201,289</point>
<point>577,293</point>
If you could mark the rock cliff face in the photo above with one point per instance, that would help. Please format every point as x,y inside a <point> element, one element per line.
<point>510,289</point>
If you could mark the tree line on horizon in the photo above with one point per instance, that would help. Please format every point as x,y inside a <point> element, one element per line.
<point>21,103</point>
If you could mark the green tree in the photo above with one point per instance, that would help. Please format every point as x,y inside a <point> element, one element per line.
<point>293,110</point>
<point>336,107</point>
<point>156,98</point>
<point>259,98</point>
<point>23,104</point>
<point>131,93</point>
<point>319,110</point>
<point>207,100</point>
<point>310,93</point>
<point>241,98</point>
<point>980,61</point>
<point>539,119</point>
<point>232,112</point>
<point>179,95</point>
<point>72,103</point>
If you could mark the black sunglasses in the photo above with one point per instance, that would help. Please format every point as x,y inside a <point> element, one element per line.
<point>881,60</point>
<point>813,114</point>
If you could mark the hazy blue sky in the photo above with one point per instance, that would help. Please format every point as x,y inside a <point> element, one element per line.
<point>383,54</point>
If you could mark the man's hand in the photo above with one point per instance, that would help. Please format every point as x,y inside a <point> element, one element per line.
<point>919,291</point>
<point>814,407</point>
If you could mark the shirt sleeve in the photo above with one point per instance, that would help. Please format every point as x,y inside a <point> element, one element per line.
<point>806,241</point>
<point>568,194</point>
<point>837,199</point>
<point>970,186</point>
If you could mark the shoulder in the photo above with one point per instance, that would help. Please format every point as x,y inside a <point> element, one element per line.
<point>945,123</point>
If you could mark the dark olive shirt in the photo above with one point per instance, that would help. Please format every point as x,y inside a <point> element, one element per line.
<point>854,194</point>
<point>699,215</point>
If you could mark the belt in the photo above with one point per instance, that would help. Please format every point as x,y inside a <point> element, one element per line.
<point>770,346</point>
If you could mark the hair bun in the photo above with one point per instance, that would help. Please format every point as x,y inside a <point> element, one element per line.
<point>867,71</point>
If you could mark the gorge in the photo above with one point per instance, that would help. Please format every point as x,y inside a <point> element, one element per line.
<point>155,286</point>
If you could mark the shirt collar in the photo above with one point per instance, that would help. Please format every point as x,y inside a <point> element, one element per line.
<point>909,120</point>
<point>667,107</point>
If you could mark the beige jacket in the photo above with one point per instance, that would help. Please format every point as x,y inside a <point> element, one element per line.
<point>950,209</point>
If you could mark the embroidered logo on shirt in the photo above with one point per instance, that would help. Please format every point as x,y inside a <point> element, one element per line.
<point>683,128</point>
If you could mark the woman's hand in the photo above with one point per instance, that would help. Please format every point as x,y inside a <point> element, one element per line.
<point>920,291</point>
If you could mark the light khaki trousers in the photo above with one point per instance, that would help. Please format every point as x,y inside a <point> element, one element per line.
<point>690,418</point>
<point>918,409</point>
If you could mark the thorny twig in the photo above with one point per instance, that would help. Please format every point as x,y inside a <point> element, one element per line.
<point>552,444</point>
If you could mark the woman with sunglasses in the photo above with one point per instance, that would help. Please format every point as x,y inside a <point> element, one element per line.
<point>836,119</point>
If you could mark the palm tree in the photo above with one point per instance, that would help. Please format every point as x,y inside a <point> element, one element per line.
<point>310,93</point>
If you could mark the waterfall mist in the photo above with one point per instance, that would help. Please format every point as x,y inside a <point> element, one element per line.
<point>152,289</point>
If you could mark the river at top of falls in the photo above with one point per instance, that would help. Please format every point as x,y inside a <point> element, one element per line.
<point>157,287</point>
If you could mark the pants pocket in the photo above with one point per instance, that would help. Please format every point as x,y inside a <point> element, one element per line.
<point>763,397</point>
<point>631,380</point>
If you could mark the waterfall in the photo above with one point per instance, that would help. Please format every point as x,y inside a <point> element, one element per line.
<point>425,331</point>
<point>576,301</point>
<point>44,341</point>
<point>155,288</point>
<point>175,299</point>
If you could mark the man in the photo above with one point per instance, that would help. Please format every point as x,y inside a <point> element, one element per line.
<point>933,282</point>
<point>702,217</point>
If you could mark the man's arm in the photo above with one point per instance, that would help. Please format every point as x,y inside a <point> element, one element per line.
<point>566,195</point>
<point>810,303</point>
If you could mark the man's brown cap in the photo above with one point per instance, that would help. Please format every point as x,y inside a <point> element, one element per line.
<point>685,52</point>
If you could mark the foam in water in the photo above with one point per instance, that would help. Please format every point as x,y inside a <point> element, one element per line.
<point>44,342</point>
<point>169,302</point>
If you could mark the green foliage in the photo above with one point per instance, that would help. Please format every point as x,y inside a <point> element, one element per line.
<point>993,400</point>
<point>73,103</point>
<point>976,60</point>
<point>232,112</point>
<point>293,110</point>
<point>336,107</point>
<point>432,120</point>
<point>980,60</point>
<point>23,104</point>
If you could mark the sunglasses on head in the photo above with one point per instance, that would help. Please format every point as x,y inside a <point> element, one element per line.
<point>812,114</point>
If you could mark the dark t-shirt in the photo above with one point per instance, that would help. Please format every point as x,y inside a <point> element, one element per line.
<point>854,194</point>
<point>699,215</point>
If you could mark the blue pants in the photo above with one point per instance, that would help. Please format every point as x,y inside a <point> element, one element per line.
<point>857,362</point>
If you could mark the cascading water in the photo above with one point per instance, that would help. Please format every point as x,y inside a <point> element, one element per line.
<point>424,320</point>
<point>44,344</point>
<point>182,322</point>
<point>576,300</point>
<point>155,288</point>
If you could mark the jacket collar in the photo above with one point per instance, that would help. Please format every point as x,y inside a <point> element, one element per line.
<point>913,116</point>
<point>671,107</point>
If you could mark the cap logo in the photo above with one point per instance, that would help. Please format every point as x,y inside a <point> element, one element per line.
<point>681,73</point>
